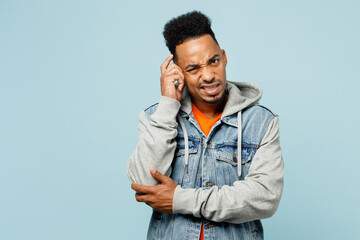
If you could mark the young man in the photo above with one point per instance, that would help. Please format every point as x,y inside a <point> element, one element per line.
<point>208,158</point>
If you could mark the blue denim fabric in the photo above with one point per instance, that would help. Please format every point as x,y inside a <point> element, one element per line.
<point>212,161</point>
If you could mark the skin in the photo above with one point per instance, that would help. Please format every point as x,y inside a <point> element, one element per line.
<point>159,197</point>
<point>200,66</point>
<point>205,55</point>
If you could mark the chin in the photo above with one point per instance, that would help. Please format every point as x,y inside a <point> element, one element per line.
<point>216,99</point>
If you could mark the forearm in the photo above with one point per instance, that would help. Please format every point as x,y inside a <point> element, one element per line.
<point>231,204</point>
<point>156,143</point>
<point>256,197</point>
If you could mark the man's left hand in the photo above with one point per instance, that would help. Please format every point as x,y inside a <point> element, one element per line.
<point>158,197</point>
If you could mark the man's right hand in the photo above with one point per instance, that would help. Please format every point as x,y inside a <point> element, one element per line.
<point>170,74</point>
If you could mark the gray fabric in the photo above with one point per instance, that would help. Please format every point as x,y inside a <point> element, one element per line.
<point>256,197</point>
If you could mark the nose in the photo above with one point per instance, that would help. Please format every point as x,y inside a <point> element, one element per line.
<point>207,74</point>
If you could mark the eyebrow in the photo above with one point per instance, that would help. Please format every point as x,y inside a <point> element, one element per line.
<point>198,65</point>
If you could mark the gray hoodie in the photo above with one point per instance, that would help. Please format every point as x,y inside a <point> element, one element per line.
<point>255,197</point>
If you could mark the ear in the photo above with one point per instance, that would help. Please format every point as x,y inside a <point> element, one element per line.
<point>224,56</point>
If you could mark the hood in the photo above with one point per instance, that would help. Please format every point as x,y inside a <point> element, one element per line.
<point>241,96</point>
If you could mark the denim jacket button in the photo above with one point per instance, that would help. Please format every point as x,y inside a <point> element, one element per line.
<point>209,225</point>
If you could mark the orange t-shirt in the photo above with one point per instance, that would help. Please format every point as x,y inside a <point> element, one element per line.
<point>205,124</point>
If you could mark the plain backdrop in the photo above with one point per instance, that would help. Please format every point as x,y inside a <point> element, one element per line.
<point>74,76</point>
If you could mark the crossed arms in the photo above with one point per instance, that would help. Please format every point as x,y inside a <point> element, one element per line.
<point>256,197</point>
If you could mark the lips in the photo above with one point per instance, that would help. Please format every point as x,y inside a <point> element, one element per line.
<point>210,89</point>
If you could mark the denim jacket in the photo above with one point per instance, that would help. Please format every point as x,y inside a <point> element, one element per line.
<point>207,169</point>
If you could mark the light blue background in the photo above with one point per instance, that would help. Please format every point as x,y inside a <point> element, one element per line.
<point>74,76</point>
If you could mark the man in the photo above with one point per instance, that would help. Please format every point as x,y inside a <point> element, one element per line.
<point>208,158</point>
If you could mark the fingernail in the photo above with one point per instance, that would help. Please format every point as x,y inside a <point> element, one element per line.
<point>152,170</point>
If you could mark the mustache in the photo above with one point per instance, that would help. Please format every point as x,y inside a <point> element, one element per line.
<point>207,83</point>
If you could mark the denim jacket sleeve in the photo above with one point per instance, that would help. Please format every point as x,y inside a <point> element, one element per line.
<point>255,197</point>
<point>156,142</point>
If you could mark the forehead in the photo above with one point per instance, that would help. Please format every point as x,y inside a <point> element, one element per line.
<point>196,51</point>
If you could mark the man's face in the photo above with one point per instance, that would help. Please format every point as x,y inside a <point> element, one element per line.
<point>203,64</point>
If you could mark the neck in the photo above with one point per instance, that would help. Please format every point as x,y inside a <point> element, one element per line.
<point>211,110</point>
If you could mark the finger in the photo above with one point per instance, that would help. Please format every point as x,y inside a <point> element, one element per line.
<point>181,80</point>
<point>179,72</point>
<point>141,188</point>
<point>141,198</point>
<point>173,78</point>
<point>172,71</point>
<point>173,66</point>
<point>181,84</point>
<point>166,63</point>
<point>158,176</point>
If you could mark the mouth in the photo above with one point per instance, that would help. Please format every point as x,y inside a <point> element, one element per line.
<point>211,89</point>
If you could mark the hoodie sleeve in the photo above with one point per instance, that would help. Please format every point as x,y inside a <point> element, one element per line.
<point>256,197</point>
<point>156,143</point>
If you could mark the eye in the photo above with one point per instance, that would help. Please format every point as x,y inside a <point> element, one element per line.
<point>193,70</point>
<point>214,61</point>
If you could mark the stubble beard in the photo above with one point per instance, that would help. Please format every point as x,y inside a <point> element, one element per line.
<point>216,100</point>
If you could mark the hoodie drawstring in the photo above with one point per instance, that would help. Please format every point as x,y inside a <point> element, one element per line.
<point>239,144</point>
<point>186,139</point>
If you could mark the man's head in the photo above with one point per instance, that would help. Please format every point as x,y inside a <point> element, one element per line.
<point>184,27</point>
<point>192,42</point>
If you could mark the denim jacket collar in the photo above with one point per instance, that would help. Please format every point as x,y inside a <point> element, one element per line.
<point>241,95</point>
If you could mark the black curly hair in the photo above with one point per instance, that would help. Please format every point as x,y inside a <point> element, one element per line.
<point>187,26</point>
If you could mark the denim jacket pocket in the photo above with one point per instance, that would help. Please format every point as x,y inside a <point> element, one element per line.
<point>181,150</point>
<point>179,174</point>
<point>227,162</point>
<point>246,160</point>
<point>226,159</point>
<point>227,152</point>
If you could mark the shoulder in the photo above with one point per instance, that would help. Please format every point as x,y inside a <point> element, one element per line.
<point>259,109</point>
<point>256,120</point>
<point>258,116</point>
